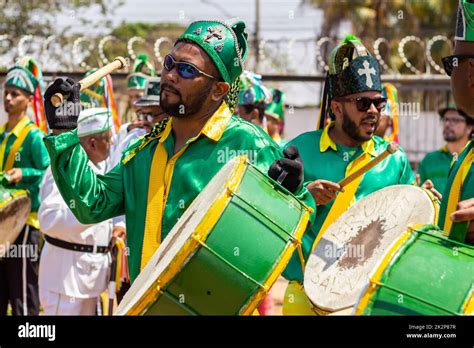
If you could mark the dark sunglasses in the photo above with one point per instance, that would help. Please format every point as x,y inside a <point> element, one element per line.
<point>185,70</point>
<point>363,103</point>
<point>451,62</point>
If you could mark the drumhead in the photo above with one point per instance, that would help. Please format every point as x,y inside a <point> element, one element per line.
<point>176,238</point>
<point>339,266</point>
<point>15,206</point>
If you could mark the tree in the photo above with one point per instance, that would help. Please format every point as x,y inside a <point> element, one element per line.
<point>375,18</point>
<point>38,17</point>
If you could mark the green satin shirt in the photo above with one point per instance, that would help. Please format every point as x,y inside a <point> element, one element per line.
<point>435,167</point>
<point>94,198</point>
<point>324,159</point>
<point>467,189</point>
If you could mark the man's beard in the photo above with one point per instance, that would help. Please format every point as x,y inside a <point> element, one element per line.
<point>180,109</point>
<point>451,137</point>
<point>351,128</point>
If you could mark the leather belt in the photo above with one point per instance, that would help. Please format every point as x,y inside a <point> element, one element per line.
<point>76,247</point>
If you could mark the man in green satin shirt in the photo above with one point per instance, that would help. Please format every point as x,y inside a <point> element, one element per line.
<point>457,207</point>
<point>23,162</point>
<point>457,130</point>
<point>329,154</point>
<point>160,175</point>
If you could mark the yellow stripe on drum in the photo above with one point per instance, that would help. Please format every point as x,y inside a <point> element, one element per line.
<point>12,196</point>
<point>377,275</point>
<point>199,236</point>
<point>281,264</point>
<point>468,307</point>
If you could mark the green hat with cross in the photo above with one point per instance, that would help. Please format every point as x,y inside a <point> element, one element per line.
<point>352,69</point>
<point>224,42</point>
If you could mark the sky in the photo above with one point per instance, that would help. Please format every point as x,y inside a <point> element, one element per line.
<point>279,18</point>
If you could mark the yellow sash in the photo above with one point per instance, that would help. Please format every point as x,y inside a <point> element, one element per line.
<point>455,194</point>
<point>344,199</point>
<point>155,204</point>
<point>24,129</point>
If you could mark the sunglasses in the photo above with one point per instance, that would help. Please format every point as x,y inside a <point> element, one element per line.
<point>185,70</point>
<point>451,62</point>
<point>363,103</point>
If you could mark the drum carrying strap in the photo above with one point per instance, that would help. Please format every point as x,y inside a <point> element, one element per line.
<point>344,199</point>
<point>457,231</point>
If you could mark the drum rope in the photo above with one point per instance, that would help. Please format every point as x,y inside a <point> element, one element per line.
<point>265,216</point>
<point>293,240</point>
<point>452,241</point>
<point>401,292</point>
<point>196,238</point>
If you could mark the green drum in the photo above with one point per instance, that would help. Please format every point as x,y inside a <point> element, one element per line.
<point>423,273</point>
<point>225,252</point>
<point>15,206</point>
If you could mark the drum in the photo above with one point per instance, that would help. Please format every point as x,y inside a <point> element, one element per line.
<point>422,273</point>
<point>15,206</point>
<point>225,252</point>
<point>340,264</point>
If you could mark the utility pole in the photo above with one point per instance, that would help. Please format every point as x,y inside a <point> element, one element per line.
<point>257,35</point>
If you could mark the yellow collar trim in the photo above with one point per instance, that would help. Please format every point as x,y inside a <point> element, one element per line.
<point>326,142</point>
<point>19,126</point>
<point>444,148</point>
<point>214,127</point>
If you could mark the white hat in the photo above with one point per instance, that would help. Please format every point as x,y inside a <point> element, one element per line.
<point>93,121</point>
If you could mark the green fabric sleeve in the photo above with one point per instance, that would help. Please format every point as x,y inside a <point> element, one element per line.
<point>39,158</point>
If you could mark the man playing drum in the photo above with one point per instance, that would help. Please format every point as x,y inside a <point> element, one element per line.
<point>160,175</point>
<point>457,208</point>
<point>23,158</point>
<point>343,146</point>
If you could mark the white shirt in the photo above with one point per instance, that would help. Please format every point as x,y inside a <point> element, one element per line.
<point>124,142</point>
<point>76,274</point>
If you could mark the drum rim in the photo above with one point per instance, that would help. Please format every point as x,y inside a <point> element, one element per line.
<point>13,195</point>
<point>433,202</point>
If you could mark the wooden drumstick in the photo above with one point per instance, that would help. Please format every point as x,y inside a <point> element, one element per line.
<point>391,148</point>
<point>118,63</point>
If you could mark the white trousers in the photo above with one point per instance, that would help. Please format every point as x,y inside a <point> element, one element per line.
<point>54,303</point>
